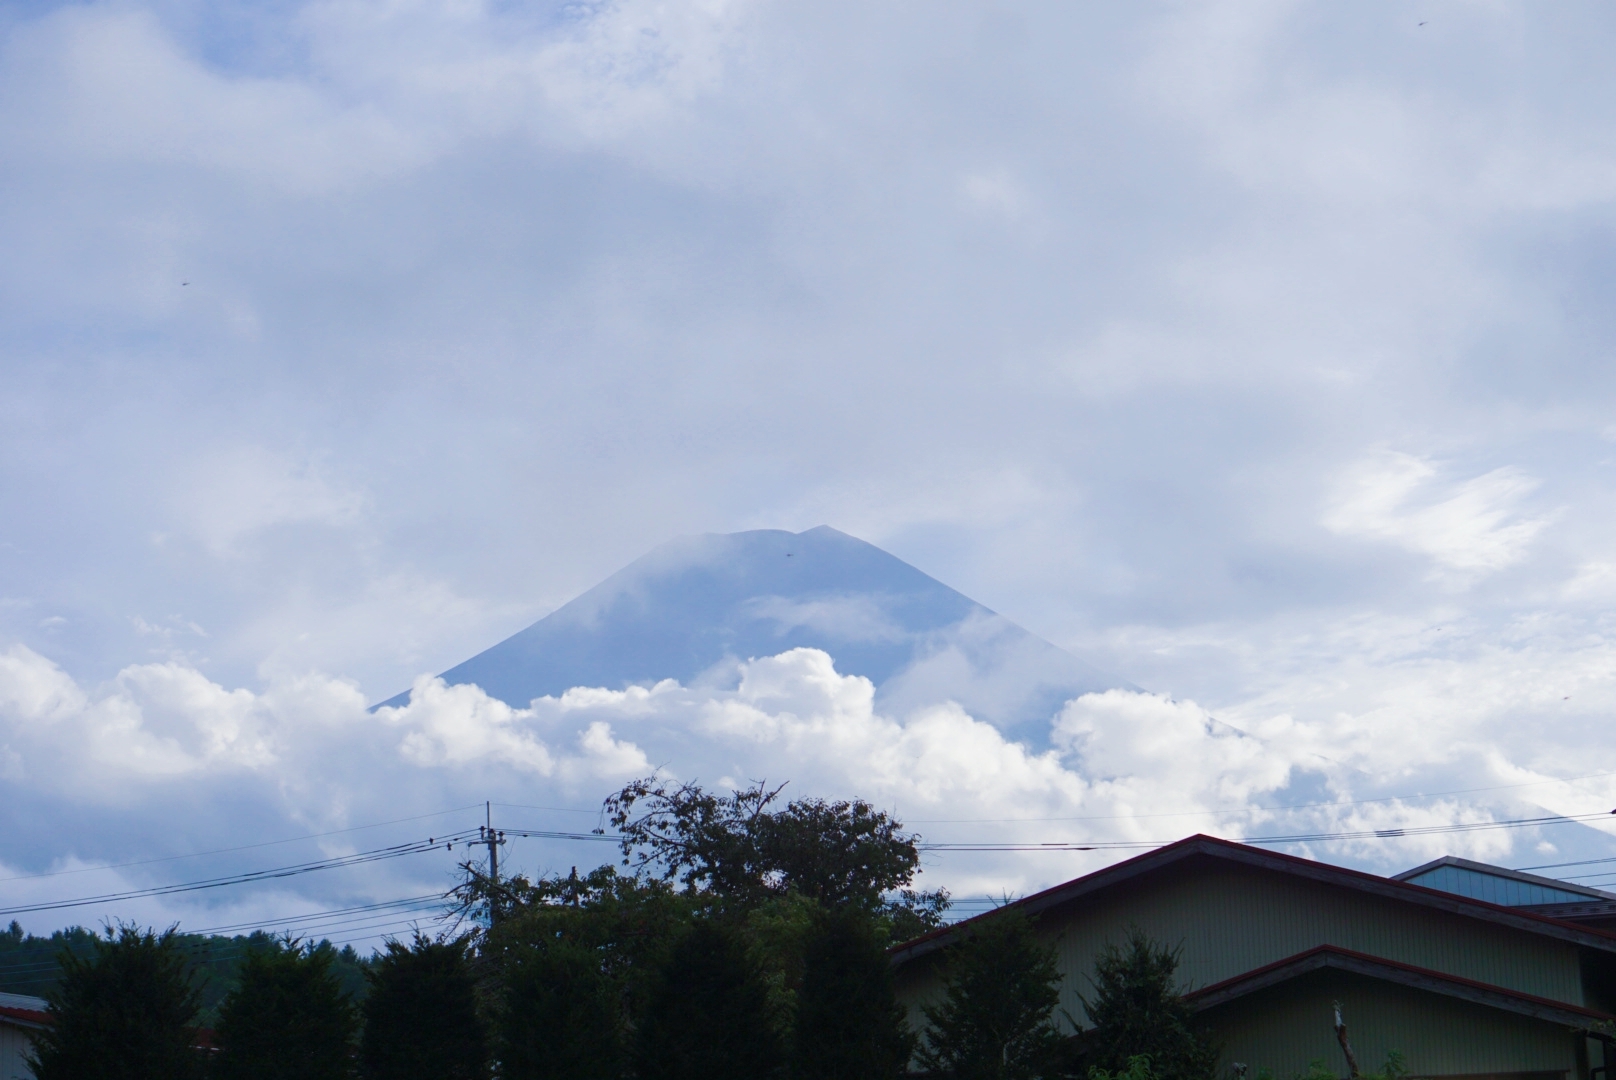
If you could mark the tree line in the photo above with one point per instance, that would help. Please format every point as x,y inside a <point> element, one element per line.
<point>31,964</point>
<point>739,937</point>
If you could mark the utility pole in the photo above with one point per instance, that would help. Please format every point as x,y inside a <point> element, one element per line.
<point>493,840</point>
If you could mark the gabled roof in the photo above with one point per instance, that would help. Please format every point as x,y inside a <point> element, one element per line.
<point>1210,848</point>
<point>1330,956</point>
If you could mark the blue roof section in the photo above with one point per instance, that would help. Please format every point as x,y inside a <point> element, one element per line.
<point>1497,884</point>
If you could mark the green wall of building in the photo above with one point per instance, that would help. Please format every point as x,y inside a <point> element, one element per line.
<point>1285,1027</point>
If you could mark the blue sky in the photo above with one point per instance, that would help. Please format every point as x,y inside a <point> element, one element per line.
<point>1258,352</point>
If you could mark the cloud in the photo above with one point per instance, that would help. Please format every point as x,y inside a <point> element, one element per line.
<point>1472,528</point>
<point>304,754</point>
<point>237,495</point>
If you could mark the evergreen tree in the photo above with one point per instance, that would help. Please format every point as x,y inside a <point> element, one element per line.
<point>561,1016</point>
<point>286,1019</point>
<point>421,1019</point>
<point>1136,1011</point>
<point>126,1012</point>
<point>708,1018</point>
<point>1000,987</point>
<point>849,1024</point>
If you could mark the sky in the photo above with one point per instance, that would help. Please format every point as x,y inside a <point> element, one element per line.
<point>1257,352</point>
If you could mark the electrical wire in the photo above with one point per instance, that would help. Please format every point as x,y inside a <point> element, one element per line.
<point>1262,809</point>
<point>244,847</point>
<point>1300,838</point>
<point>395,851</point>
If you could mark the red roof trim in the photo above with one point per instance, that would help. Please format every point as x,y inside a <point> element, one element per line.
<point>1365,959</point>
<point>1283,863</point>
<point>26,1016</point>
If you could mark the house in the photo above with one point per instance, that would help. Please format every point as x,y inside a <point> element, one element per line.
<point>19,1015</point>
<point>1461,981</point>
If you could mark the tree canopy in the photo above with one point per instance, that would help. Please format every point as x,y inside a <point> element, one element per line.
<point>995,1020</point>
<point>421,1016</point>
<point>125,1012</point>
<point>708,1017</point>
<point>737,850</point>
<point>287,1018</point>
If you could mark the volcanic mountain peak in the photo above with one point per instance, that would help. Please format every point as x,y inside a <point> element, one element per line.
<point>692,608</point>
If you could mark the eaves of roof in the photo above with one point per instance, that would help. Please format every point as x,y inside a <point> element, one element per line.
<point>1228,851</point>
<point>1333,957</point>
<point>24,1017</point>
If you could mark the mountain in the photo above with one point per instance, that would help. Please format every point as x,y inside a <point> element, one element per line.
<point>695,607</point>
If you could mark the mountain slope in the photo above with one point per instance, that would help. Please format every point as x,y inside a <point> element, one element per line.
<point>695,606</point>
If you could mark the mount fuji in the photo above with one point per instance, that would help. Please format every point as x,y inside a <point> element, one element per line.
<point>695,608</point>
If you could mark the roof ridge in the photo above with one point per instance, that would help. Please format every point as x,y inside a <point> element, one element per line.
<point>1217,847</point>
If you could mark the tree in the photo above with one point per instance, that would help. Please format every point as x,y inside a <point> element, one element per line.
<point>287,1018</point>
<point>629,923</point>
<point>1137,1011</point>
<point>421,1019</point>
<point>739,852</point>
<point>126,1012</point>
<point>1000,988</point>
<point>849,1024</point>
<point>708,1018</point>
<point>561,1018</point>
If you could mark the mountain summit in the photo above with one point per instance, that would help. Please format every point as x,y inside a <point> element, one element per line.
<point>695,607</point>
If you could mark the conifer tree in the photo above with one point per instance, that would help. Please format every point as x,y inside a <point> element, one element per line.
<point>849,1024</point>
<point>708,1018</point>
<point>1137,1011</point>
<point>421,1019</point>
<point>1000,989</point>
<point>561,1016</point>
<point>126,1012</point>
<point>286,1019</point>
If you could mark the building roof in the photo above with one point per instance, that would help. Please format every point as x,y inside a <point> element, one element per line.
<point>1375,967</point>
<point>1498,884</point>
<point>1211,849</point>
<point>24,1010</point>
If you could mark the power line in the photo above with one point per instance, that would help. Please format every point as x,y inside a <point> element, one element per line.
<point>557,809</point>
<point>1301,838</point>
<point>244,847</point>
<point>377,855</point>
<point>1263,809</point>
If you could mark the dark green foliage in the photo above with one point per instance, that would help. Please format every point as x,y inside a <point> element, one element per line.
<point>708,1016</point>
<point>1136,1010</point>
<point>561,1018</point>
<point>1001,987</point>
<point>630,923</point>
<point>29,964</point>
<point>738,852</point>
<point>126,1012</point>
<point>286,1019</point>
<point>849,1024</point>
<point>421,1020</point>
